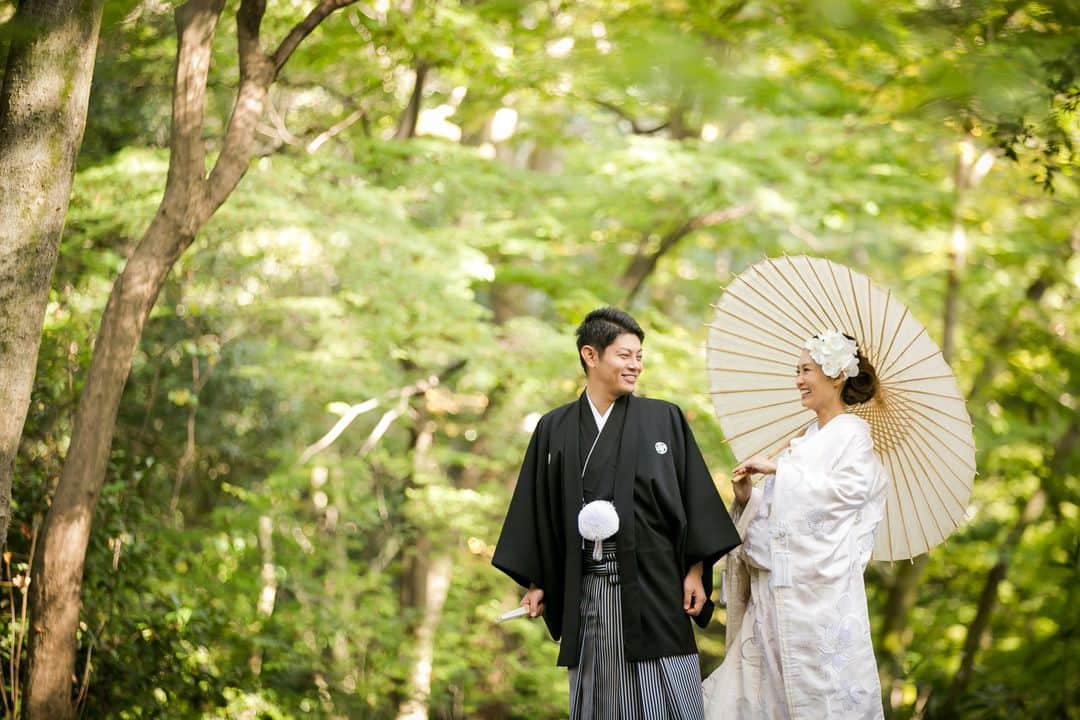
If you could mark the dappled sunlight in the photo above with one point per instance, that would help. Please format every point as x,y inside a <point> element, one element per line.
<point>331,397</point>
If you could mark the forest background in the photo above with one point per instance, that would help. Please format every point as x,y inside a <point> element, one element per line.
<point>364,253</point>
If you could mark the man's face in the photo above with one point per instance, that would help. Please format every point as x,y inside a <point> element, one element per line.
<point>616,370</point>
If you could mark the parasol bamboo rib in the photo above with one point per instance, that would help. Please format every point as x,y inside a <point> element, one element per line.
<point>893,431</point>
<point>931,356</point>
<point>761,329</point>
<point>737,391</point>
<point>932,408</point>
<point>917,391</point>
<point>846,323</point>
<point>807,327</point>
<point>950,468</point>
<point>918,481</point>
<point>762,426</point>
<point>903,521</point>
<point>825,322</point>
<point>918,516</point>
<point>946,506</point>
<point>753,341</point>
<point>919,433</point>
<point>869,309</point>
<point>839,293</point>
<point>755,408</point>
<point>881,336</point>
<point>950,431</point>
<point>771,361</point>
<point>760,312</point>
<point>836,320</point>
<point>751,372</point>
<point>855,301</point>
<point>783,438</point>
<point>903,381</point>
<point>934,486</point>
<point>799,323</point>
<point>804,302</point>
<point>887,370</point>
<point>896,333</point>
<point>891,506</point>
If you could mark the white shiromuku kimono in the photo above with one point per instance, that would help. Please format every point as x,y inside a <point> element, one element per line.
<point>800,646</point>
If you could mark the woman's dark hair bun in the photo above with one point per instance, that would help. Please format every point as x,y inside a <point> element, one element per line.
<point>863,387</point>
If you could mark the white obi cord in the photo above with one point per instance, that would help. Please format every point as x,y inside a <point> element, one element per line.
<point>598,521</point>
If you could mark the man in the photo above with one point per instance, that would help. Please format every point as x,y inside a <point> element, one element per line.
<point>623,609</point>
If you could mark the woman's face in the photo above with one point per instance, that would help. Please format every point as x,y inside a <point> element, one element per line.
<point>817,389</point>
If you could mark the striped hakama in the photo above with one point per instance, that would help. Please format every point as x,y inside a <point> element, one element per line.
<point>606,687</point>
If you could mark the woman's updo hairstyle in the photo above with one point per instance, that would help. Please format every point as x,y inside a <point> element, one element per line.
<point>864,386</point>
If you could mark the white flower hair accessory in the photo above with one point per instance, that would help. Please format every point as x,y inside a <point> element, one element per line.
<point>834,353</point>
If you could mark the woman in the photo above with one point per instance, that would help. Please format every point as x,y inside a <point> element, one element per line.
<point>798,631</point>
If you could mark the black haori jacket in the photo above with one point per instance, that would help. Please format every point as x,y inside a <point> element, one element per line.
<point>670,517</point>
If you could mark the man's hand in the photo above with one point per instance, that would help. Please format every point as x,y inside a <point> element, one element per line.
<point>693,591</point>
<point>534,601</point>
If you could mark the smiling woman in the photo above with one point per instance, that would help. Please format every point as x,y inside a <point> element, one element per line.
<point>808,533</point>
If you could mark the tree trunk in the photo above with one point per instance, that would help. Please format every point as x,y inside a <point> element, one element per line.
<point>189,201</point>
<point>894,636</point>
<point>1030,513</point>
<point>58,570</point>
<point>268,592</point>
<point>46,87</point>
<point>407,125</point>
<point>437,575</point>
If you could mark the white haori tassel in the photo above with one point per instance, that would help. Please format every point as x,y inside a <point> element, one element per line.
<point>598,521</point>
<point>781,569</point>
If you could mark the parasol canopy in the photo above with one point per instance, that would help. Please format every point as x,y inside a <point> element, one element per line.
<point>920,426</point>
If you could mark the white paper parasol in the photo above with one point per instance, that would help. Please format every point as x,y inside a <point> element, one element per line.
<point>920,426</point>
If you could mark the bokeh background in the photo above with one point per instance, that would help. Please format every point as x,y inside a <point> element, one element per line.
<point>324,421</point>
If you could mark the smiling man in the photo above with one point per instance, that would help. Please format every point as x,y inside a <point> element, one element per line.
<point>613,528</point>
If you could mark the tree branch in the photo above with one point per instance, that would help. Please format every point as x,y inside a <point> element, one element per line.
<point>404,394</point>
<point>196,23</point>
<point>334,130</point>
<point>256,74</point>
<point>1032,511</point>
<point>635,124</point>
<point>339,427</point>
<point>642,266</point>
<point>304,28</point>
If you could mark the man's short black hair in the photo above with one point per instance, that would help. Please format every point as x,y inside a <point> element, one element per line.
<point>600,328</point>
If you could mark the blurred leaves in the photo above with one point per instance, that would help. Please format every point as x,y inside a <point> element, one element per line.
<point>360,271</point>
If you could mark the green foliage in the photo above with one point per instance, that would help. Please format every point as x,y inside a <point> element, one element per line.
<point>235,572</point>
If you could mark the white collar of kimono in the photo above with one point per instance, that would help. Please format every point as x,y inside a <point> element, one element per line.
<point>600,419</point>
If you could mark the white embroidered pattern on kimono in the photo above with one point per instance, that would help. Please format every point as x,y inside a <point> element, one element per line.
<point>804,650</point>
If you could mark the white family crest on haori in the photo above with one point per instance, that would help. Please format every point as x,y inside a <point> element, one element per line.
<point>919,424</point>
<point>661,448</point>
